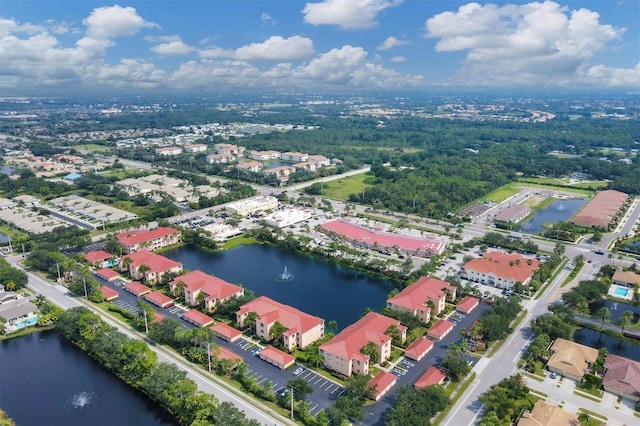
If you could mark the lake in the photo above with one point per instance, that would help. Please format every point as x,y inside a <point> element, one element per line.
<point>593,339</point>
<point>558,211</point>
<point>45,380</point>
<point>616,309</point>
<point>319,287</point>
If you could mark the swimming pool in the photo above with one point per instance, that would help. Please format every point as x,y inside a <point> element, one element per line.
<point>620,291</point>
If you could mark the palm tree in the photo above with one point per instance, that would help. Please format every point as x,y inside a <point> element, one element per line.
<point>604,313</point>
<point>625,319</point>
<point>583,417</point>
<point>582,307</point>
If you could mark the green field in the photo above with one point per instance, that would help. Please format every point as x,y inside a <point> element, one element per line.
<point>92,147</point>
<point>502,193</point>
<point>341,189</point>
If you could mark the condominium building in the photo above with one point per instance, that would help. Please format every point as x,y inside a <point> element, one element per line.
<point>143,239</point>
<point>213,290</point>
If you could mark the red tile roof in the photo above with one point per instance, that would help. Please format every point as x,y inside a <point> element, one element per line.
<point>441,328</point>
<point>158,299</point>
<point>138,236</point>
<point>277,356</point>
<point>504,265</point>
<point>432,376</point>
<point>381,382</point>
<point>137,288</point>
<point>155,262</point>
<point>383,239</point>
<point>601,210</point>
<point>622,374</point>
<point>214,287</point>
<point>97,256</point>
<point>224,353</point>
<point>269,311</point>
<point>351,340</point>
<point>419,293</point>
<point>107,274</point>
<point>108,293</point>
<point>226,331</point>
<point>157,317</point>
<point>467,304</point>
<point>418,348</point>
<point>197,318</point>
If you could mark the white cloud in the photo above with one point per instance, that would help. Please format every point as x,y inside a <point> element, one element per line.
<point>267,19</point>
<point>172,48</point>
<point>275,48</point>
<point>114,21</point>
<point>398,59</point>
<point>129,73</point>
<point>614,77</point>
<point>391,42</point>
<point>347,14</point>
<point>534,43</point>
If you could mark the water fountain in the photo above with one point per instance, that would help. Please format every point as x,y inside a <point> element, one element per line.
<point>80,400</point>
<point>285,276</point>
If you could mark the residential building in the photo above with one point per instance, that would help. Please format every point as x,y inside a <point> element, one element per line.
<point>277,357</point>
<point>214,290</point>
<point>230,149</point>
<point>440,329</point>
<point>108,293</point>
<point>302,329</point>
<point>107,274</point>
<point>626,278</point>
<point>600,211</point>
<point>249,166</point>
<point>545,414</point>
<point>169,151</point>
<point>161,300</point>
<point>468,304</point>
<point>148,266</point>
<point>220,158</point>
<point>500,269</point>
<point>280,172</point>
<point>294,157</point>
<point>249,206</point>
<point>226,332</point>
<point>142,239</point>
<point>381,384</point>
<point>197,318</point>
<point>570,359</point>
<point>418,349</point>
<point>309,166</point>
<point>100,259</point>
<point>423,298</point>
<point>343,353</point>
<point>321,160</point>
<point>16,311</point>
<point>377,240</point>
<point>622,377</point>
<point>265,155</point>
<point>196,147</point>
<point>433,376</point>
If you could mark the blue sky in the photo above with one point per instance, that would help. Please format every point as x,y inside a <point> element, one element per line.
<point>319,45</point>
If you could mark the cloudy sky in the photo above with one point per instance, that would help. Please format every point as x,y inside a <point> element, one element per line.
<point>217,45</point>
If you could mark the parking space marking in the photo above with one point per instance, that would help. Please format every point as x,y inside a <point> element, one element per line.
<point>319,378</point>
<point>263,380</point>
<point>307,375</point>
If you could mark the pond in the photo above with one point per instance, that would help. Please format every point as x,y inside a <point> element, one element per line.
<point>616,309</point>
<point>593,339</point>
<point>46,380</point>
<point>558,211</point>
<point>318,287</point>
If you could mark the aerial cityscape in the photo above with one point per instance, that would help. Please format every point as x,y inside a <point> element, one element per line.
<point>329,212</point>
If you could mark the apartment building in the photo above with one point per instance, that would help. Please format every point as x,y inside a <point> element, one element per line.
<point>150,267</point>
<point>214,290</point>
<point>424,298</point>
<point>143,239</point>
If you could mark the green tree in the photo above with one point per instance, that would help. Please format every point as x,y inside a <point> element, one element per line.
<point>624,320</point>
<point>333,326</point>
<point>300,388</point>
<point>357,386</point>
<point>277,330</point>
<point>604,314</point>
<point>371,350</point>
<point>416,407</point>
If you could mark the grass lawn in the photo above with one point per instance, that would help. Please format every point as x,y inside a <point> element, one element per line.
<point>341,189</point>
<point>593,184</point>
<point>502,193</point>
<point>532,183</point>
<point>12,232</point>
<point>92,147</point>
<point>239,241</point>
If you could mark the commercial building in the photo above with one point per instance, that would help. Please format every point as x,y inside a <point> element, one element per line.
<point>302,329</point>
<point>249,206</point>
<point>375,240</point>
<point>142,239</point>
<point>513,214</point>
<point>287,217</point>
<point>214,290</point>
<point>600,211</point>
<point>500,269</point>
<point>570,359</point>
<point>424,298</point>
<point>343,353</point>
<point>150,267</point>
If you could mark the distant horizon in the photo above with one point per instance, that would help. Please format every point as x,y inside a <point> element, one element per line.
<point>317,46</point>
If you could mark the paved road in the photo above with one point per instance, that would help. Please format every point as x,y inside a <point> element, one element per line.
<point>252,409</point>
